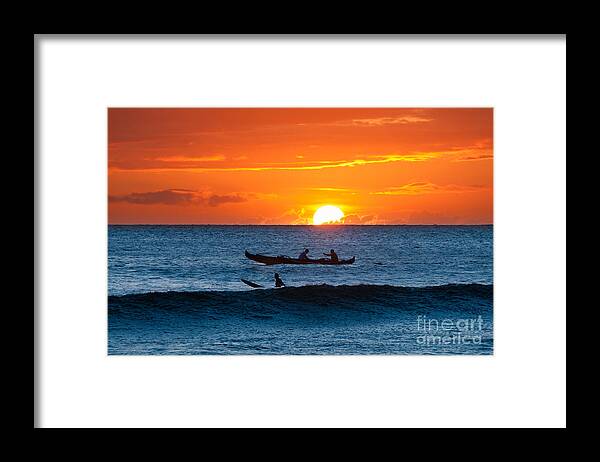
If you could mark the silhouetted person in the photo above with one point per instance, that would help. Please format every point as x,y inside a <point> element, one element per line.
<point>303,255</point>
<point>278,281</point>
<point>333,255</point>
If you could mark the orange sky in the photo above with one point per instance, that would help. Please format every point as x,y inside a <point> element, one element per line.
<point>277,166</point>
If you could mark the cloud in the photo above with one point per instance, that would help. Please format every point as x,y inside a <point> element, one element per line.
<point>215,200</point>
<point>292,217</point>
<point>164,197</point>
<point>317,165</point>
<point>355,219</point>
<point>178,197</point>
<point>419,188</point>
<point>381,121</point>
<point>215,158</point>
<point>475,157</point>
<point>303,216</point>
<point>335,190</point>
<point>376,121</point>
<point>480,150</point>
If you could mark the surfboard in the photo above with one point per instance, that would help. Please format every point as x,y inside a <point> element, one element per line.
<point>251,284</point>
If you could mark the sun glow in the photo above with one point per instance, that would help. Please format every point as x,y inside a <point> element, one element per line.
<point>327,214</point>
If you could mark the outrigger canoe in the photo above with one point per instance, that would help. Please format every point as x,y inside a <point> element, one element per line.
<point>285,260</point>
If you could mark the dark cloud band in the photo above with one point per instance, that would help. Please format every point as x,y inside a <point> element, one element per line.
<point>178,197</point>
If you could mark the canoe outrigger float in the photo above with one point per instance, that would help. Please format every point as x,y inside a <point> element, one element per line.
<point>285,260</point>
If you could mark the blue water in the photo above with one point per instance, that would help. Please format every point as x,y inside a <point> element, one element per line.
<point>412,290</point>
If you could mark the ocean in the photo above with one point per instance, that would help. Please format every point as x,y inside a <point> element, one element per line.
<point>177,290</point>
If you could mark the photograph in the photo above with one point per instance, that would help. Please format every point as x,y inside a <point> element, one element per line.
<point>300,231</point>
<point>296,231</point>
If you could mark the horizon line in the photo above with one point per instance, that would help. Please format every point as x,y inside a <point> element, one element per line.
<point>323,225</point>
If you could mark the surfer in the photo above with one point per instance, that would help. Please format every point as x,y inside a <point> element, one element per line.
<point>303,255</point>
<point>278,281</point>
<point>333,256</point>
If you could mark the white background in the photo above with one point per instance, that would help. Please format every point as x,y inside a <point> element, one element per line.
<point>523,384</point>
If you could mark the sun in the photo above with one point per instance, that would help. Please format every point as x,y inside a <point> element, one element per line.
<point>327,214</point>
